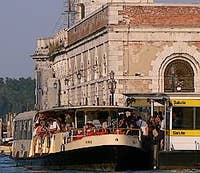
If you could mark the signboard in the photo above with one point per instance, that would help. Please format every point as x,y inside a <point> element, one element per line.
<point>184,133</point>
<point>185,102</point>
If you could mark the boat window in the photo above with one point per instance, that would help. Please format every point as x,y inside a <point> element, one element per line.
<point>197,118</point>
<point>91,115</point>
<point>97,117</point>
<point>114,114</point>
<point>20,125</point>
<point>29,131</point>
<point>20,129</point>
<point>96,123</point>
<point>24,129</point>
<point>182,118</point>
<point>15,130</point>
<point>80,119</point>
<point>102,115</point>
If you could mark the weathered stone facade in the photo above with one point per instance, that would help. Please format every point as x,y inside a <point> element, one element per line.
<point>136,40</point>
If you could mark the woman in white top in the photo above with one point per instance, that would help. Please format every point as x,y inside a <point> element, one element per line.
<point>53,126</point>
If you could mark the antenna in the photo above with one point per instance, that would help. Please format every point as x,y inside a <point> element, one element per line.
<point>69,13</point>
<point>67,17</point>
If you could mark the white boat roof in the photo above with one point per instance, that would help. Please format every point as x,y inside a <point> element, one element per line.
<point>86,108</point>
<point>32,114</point>
<point>26,115</point>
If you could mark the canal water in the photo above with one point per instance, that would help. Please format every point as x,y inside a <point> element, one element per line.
<point>8,166</point>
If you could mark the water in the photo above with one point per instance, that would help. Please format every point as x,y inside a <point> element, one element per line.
<point>7,165</point>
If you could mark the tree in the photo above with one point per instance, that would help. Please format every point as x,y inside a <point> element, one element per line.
<point>16,95</point>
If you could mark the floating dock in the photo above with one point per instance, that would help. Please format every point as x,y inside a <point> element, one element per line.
<point>185,159</point>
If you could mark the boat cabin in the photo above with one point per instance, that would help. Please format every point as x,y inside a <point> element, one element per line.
<point>54,130</point>
<point>23,128</point>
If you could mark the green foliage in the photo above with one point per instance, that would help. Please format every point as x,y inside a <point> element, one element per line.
<point>16,95</point>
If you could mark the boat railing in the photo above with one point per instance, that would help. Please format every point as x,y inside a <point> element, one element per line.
<point>79,133</point>
<point>47,145</point>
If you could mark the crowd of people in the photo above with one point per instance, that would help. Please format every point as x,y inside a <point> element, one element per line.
<point>152,129</point>
<point>46,126</point>
<point>129,123</point>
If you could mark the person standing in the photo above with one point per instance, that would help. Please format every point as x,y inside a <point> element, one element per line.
<point>68,121</point>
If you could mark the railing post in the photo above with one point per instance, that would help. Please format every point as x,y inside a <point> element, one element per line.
<point>72,135</point>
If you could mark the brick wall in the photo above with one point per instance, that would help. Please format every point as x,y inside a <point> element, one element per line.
<point>167,16</point>
<point>89,26</point>
<point>196,44</point>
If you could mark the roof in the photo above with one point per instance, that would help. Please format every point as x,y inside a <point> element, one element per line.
<point>25,115</point>
<point>157,96</point>
<point>146,95</point>
<point>66,108</point>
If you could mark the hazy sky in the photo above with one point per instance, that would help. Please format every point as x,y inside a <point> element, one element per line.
<point>22,22</point>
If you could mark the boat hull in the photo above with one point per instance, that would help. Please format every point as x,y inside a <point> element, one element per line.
<point>107,158</point>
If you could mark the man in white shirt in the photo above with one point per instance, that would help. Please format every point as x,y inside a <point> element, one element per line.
<point>54,126</point>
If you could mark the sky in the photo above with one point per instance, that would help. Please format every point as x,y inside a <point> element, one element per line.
<point>22,22</point>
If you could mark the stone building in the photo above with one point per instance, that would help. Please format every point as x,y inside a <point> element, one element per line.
<point>150,47</point>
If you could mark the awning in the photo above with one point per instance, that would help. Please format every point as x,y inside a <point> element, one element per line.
<point>144,99</point>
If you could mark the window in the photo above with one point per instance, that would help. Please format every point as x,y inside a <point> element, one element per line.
<point>187,118</point>
<point>29,132</point>
<point>179,77</point>
<point>80,119</point>
<point>182,118</point>
<point>23,129</point>
<point>82,10</point>
<point>197,118</point>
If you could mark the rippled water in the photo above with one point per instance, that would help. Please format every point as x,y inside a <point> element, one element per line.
<point>7,165</point>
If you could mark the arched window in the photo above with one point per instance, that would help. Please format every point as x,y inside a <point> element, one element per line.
<point>179,77</point>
